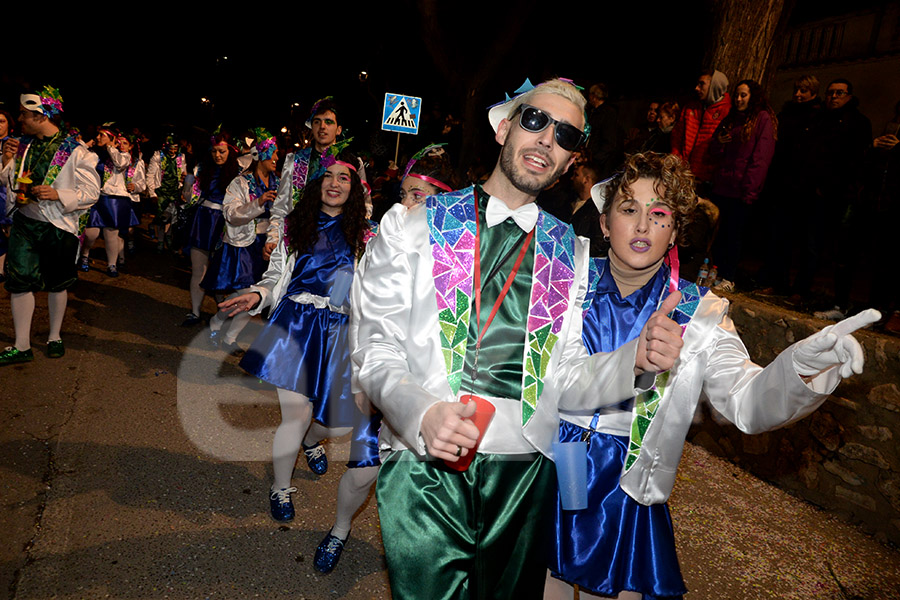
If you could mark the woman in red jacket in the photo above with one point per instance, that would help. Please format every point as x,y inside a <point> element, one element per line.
<point>744,143</point>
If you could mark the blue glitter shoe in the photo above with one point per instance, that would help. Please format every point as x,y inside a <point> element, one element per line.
<point>280,504</point>
<point>316,459</point>
<point>83,264</point>
<point>214,339</point>
<point>328,553</point>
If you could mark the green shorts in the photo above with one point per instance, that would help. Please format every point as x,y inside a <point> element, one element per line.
<point>41,257</point>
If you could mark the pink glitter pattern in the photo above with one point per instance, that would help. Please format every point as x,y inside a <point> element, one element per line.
<point>298,176</point>
<point>451,220</point>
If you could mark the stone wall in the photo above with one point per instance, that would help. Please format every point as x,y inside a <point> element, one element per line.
<point>845,456</point>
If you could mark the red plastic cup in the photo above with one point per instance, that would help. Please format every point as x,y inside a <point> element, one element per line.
<point>484,413</point>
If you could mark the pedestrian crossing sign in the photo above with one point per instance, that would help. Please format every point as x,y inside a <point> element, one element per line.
<point>401,113</point>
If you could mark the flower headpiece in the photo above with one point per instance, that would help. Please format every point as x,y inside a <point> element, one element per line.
<point>264,147</point>
<point>430,150</point>
<point>500,111</point>
<point>213,142</point>
<point>315,110</point>
<point>329,157</point>
<point>47,102</point>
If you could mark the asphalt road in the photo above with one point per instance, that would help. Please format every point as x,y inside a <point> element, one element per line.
<point>137,467</point>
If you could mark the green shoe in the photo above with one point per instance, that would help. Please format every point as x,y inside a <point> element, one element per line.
<point>55,349</point>
<point>11,356</point>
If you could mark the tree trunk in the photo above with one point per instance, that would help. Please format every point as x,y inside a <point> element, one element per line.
<point>743,40</point>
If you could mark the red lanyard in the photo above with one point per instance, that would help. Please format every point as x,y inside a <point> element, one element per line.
<point>503,292</point>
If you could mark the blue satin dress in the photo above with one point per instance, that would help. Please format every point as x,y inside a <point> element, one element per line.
<point>206,228</point>
<point>306,349</point>
<point>616,543</point>
<point>113,212</point>
<point>237,268</point>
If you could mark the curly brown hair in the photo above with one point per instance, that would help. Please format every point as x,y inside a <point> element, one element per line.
<point>301,224</point>
<point>672,181</point>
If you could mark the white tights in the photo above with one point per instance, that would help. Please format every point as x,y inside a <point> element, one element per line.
<point>353,490</point>
<point>296,416</point>
<point>111,240</point>
<point>238,321</point>
<point>556,589</point>
<point>22,306</point>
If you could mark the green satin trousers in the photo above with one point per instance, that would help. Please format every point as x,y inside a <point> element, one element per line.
<point>472,535</point>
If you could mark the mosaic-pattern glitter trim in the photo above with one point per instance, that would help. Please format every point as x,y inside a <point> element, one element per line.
<point>63,153</point>
<point>107,171</point>
<point>451,221</point>
<point>646,405</point>
<point>298,175</point>
<point>554,274</point>
<point>594,273</point>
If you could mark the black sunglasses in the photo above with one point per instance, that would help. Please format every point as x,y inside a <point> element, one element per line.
<point>535,120</point>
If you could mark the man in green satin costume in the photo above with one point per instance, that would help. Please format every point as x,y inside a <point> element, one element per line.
<point>478,533</point>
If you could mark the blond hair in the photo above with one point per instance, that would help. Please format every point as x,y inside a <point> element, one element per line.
<point>557,87</point>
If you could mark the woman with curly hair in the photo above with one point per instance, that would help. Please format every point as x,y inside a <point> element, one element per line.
<point>622,545</point>
<point>304,348</point>
<point>744,143</point>
<point>428,172</point>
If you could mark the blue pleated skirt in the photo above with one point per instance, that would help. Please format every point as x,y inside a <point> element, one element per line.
<point>233,268</point>
<point>616,543</point>
<point>114,212</point>
<point>306,349</point>
<point>206,229</point>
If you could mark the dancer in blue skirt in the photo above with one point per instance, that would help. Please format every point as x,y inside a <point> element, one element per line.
<point>237,262</point>
<point>428,172</point>
<point>112,212</point>
<point>622,545</point>
<point>211,178</point>
<point>304,349</point>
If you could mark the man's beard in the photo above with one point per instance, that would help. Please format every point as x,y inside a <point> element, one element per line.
<point>525,185</point>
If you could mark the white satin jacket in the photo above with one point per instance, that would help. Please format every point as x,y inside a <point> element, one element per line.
<point>77,184</point>
<point>241,212</point>
<point>400,356</point>
<point>714,362</point>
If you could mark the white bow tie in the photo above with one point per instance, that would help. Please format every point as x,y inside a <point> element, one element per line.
<point>524,216</point>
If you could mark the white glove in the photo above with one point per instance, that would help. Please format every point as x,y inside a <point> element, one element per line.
<point>834,346</point>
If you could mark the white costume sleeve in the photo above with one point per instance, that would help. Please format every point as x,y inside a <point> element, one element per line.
<point>284,202</point>
<point>754,398</point>
<point>237,206</point>
<point>154,176</point>
<point>139,179</point>
<point>388,330</point>
<point>273,276</point>
<point>78,189</point>
<point>120,160</point>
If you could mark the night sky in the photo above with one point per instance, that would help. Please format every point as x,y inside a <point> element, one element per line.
<point>154,67</point>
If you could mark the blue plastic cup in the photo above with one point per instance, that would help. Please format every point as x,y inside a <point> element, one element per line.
<point>571,473</point>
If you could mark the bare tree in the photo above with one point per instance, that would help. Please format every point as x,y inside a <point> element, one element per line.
<point>744,37</point>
